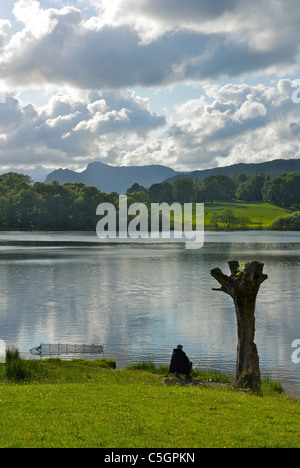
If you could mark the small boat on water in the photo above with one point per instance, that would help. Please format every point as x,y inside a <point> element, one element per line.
<point>59,349</point>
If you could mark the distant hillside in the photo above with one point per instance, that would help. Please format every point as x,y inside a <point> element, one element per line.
<point>118,179</point>
<point>270,168</point>
<point>113,179</point>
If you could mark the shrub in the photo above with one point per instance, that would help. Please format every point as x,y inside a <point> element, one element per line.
<point>287,223</point>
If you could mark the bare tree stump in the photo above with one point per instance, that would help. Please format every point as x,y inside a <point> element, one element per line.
<point>243,286</point>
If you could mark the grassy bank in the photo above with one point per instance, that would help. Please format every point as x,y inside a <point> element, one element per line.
<point>81,404</point>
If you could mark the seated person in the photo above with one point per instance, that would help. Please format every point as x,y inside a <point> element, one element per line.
<point>180,363</point>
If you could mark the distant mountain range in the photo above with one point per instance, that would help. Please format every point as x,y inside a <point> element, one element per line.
<point>118,179</point>
<point>113,179</point>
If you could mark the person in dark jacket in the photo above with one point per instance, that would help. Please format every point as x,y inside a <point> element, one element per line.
<point>180,363</point>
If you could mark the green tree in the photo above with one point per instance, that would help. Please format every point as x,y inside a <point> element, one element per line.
<point>239,179</point>
<point>226,186</point>
<point>11,184</point>
<point>183,191</point>
<point>161,193</point>
<point>251,189</point>
<point>11,180</point>
<point>57,206</point>
<point>244,221</point>
<point>287,223</point>
<point>27,204</point>
<point>292,189</point>
<point>136,188</point>
<point>209,191</point>
<point>85,206</point>
<point>273,191</point>
<point>283,190</point>
<point>214,220</point>
<point>138,197</point>
<point>228,219</point>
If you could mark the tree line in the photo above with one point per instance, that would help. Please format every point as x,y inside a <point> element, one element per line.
<point>28,205</point>
<point>72,206</point>
<point>283,190</point>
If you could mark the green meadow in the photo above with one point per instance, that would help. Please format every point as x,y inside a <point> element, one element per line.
<point>69,404</point>
<point>261,215</point>
<point>255,215</point>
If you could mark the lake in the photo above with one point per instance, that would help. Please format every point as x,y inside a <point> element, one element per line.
<point>141,300</point>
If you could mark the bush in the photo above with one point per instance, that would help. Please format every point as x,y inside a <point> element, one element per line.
<point>287,223</point>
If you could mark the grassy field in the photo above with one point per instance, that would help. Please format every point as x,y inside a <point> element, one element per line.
<point>80,404</point>
<point>262,215</point>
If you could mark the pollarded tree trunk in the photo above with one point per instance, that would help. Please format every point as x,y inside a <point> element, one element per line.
<point>243,286</point>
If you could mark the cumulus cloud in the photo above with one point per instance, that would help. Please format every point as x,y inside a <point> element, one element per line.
<point>197,40</point>
<point>5,28</point>
<point>157,17</point>
<point>243,123</point>
<point>250,110</point>
<point>266,26</point>
<point>71,131</point>
<point>225,125</point>
<point>230,124</point>
<point>98,49</point>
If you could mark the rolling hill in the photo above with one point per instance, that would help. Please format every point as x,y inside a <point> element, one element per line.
<point>271,168</point>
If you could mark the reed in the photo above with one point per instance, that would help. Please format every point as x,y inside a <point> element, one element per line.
<point>16,368</point>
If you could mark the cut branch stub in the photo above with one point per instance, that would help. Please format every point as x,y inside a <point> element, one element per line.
<point>248,280</point>
<point>243,285</point>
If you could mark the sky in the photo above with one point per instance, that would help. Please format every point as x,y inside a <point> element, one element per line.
<point>189,84</point>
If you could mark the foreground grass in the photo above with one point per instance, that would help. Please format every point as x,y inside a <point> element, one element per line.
<point>80,404</point>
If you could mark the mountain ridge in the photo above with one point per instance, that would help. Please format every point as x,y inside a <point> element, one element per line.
<point>113,178</point>
<point>119,178</point>
<point>270,168</point>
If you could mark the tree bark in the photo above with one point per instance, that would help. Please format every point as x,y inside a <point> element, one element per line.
<point>243,286</point>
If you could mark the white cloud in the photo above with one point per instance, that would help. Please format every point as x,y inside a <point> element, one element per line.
<point>250,110</point>
<point>70,130</point>
<point>266,26</point>
<point>62,47</point>
<point>5,28</point>
<point>97,49</point>
<point>243,124</point>
<point>227,124</point>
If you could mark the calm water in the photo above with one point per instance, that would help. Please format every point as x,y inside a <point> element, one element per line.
<point>142,300</point>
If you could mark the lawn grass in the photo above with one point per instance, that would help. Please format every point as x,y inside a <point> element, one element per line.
<point>81,404</point>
